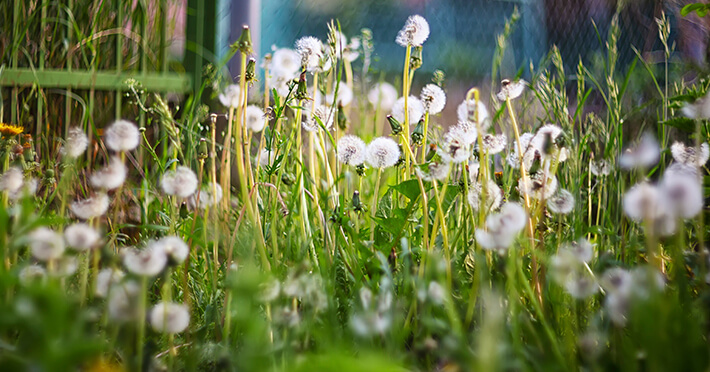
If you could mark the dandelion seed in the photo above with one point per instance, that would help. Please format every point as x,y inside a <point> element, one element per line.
<point>414,33</point>
<point>600,168</point>
<point>46,244</point>
<point>76,143</point>
<point>700,109</point>
<point>511,89</point>
<point>345,95</point>
<point>561,203</point>
<point>645,154</point>
<point>255,118</point>
<point>174,248</point>
<point>544,140</point>
<point>528,152</point>
<point>285,62</point>
<point>436,293</point>
<point>382,95</point>
<point>81,237</point>
<point>582,250</point>
<point>310,49</point>
<point>323,114</point>
<point>494,144</point>
<point>581,285</point>
<point>123,302</point>
<point>382,152</point>
<point>681,170</point>
<point>209,195</point>
<point>110,177</point>
<point>617,307</point>
<point>122,136</point>
<point>65,266</point>
<point>455,147</point>
<point>643,201</point>
<point>466,112</point>
<point>415,108</point>
<point>539,186</point>
<point>465,131</point>
<point>149,261</point>
<point>270,291</point>
<point>106,279</point>
<point>32,274</point>
<point>231,96</point>
<point>351,150</point>
<point>181,182</point>
<point>169,317</point>
<point>617,281</point>
<point>12,180</point>
<point>684,194</point>
<point>437,171</point>
<point>93,207</point>
<point>433,98</point>
<point>494,195</point>
<point>690,155</point>
<point>503,228</point>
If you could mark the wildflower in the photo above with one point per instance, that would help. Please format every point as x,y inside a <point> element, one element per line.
<point>690,155</point>
<point>600,168</point>
<point>563,264</point>
<point>494,144</point>
<point>681,170</point>
<point>46,244</point>
<point>180,182</point>
<point>110,177</point>
<point>255,119</point>
<point>383,96</point>
<point>310,50</point>
<point>467,110</point>
<point>382,152</point>
<point>231,96</point>
<point>107,278</point>
<point>29,187</point>
<point>465,131</point>
<point>494,195</point>
<point>414,106</point>
<point>147,262</point>
<point>32,274</point>
<point>437,171</point>
<point>286,62</point>
<point>581,285</point>
<point>123,302</point>
<point>528,152</point>
<point>643,201</point>
<point>90,208</point>
<point>174,247</point>
<point>65,266</point>
<point>510,89</point>
<point>345,95</point>
<point>617,307</point>
<point>455,146</point>
<point>503,228</point>
<point>270,290</point>
<point>12,180</point>
<point>169,317</point>
<point>209,196</point>
<point>122,136</point>
<point>561,203</point>
<point>684,194</point>
<point>81,236</point>
<point>11,130</point>
<point>414,33</point>
<point>436,292</point>
<point>645,154</point>
<point>617,281</point>
<point>582,250</point>
<point>699,109</point>
<point>370,323</point>
<point>433,98</point>
<point>351,150</point>
<point>544,140</point>
<point>323,114</point>
<point>75,143</point>
<point>540,185</point>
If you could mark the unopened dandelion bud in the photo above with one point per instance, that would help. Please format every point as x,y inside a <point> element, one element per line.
<point>342,119</point>
<point>288,179</point>
<point>415,61</point>
<point>418,133</point>
<point>438,77</point>
<point>357,203</point>
<point>360,170</point>
<point>202,151</point>
<point>250,73</point>
<point>432,151</point>
<point>244,44</point>
<point>395,125</point>
<point>302,90</point>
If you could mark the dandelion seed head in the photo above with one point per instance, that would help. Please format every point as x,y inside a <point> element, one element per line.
<point>123,302</point>
<point>149,261</point>
<point>280,81</point>
<point>106,279</point>
<point>174,248</point>
<point>169,317</point>
<point>415,108</point>
<point>681,170</point>
<point>465,131</point>
<point>494,144</point>
<point>286,62</point>
<point>65,266</point>
<point>76,143</point>
<point>310,49</point>
<point>122,136</point>
<point>12,180</point>
<point>511,89</point>
<point>32,274</point>
<point>383,96</point>
<point>700,109</point>
<point>528,152</point>
<point>562,265</point>
<point>433,98</point>
<point>643,201</point>
<point>210,194</point>
<point>231,96</point>
<point>690,155</point>
<point>438,171</point>
<point>351,150</point>
<point>382,152</point>
<point>544,139</point>
<point>646,281</point>
<point>256,120</point>
<point>600,168</point>
<point>494,195</point>
<point>92,207</point>
<point>81,237</point>
<point>414,33</point>
<point>110,177</point>
<point>581,285</point>
<point>46,244</point>
<point>684,194</point>
<point>269,290</point>
<point>582,250</point>
<point>539,186</point>
<point>323,114</point>
<point>617,281</point>
<point>466,112</point>
<point>645,154</point>
<point>345,95</point>
<point>455,146</point>
<point>561,203</point>
<point>436,293</point>
<point>181,182</point>
<point>503,228</point>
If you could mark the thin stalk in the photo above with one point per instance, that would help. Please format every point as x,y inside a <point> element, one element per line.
<point>374,204</point>
<point>405,94</point>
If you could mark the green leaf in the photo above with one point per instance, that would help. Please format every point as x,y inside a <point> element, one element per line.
<point>384,205</point>
<point>409,188</point>
<point>701,9</point>
<point>684,124</point>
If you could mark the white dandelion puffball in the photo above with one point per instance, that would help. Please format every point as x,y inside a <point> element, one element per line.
<point>46,244</point>
<point>279,80</point>
<point>32,274</point>
<point>29,187</point>
<point>383,96</point>
<point>169,317</point>
<point>382,152</point>
<point>12,180</point>
<point>324,114</point>
<point>122,136</point>
<point>107,278</point>
<point>266,157</point>
<point>699,109</point>
<point>503,228</point>
<point>110,177</point>
<point>511,89</point>
<point>76,143</point>
<point>561,203</point>
<point>65,266</point>
<point>174,247</point>
<point>286,62</point>
<point>414,33</point>
<point>345,95</point>
<point>539,186</point>
<point>123,302</point>
<point>437,171</point>
<point>465,131</point>
<point>415,108</point>
<point>617,280</point>
<point>210,194</point>
<point>81,237</point>
<point>351,150</point>
<point>684,194</point>
<point>690,155</point>
<point>582,250</point>
<point>494,195</point>
<point>149,261</point>
<point>644,155</point>
<point>180,182</point>
<point>231,96</point>
<point>600,168</point>
<point>256,119</point>
<point>310,49</point>
<point>433,98</point>
<point>455,146</point>
<point>494,144</point>
<point>467,110</point>
<point>644,201</point>
<point>529,152</point>
<point>92,207</point>
<point>544,139</point>
<point>581,284</point>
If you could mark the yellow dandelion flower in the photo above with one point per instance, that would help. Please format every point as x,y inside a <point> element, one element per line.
<point>11,130</point>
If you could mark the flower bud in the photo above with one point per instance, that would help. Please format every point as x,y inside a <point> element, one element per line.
<point>418,133</point>
<point>395,125</point>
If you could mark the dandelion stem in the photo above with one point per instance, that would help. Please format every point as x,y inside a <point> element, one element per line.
<point>374,206</point>
<point>405,94</point>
